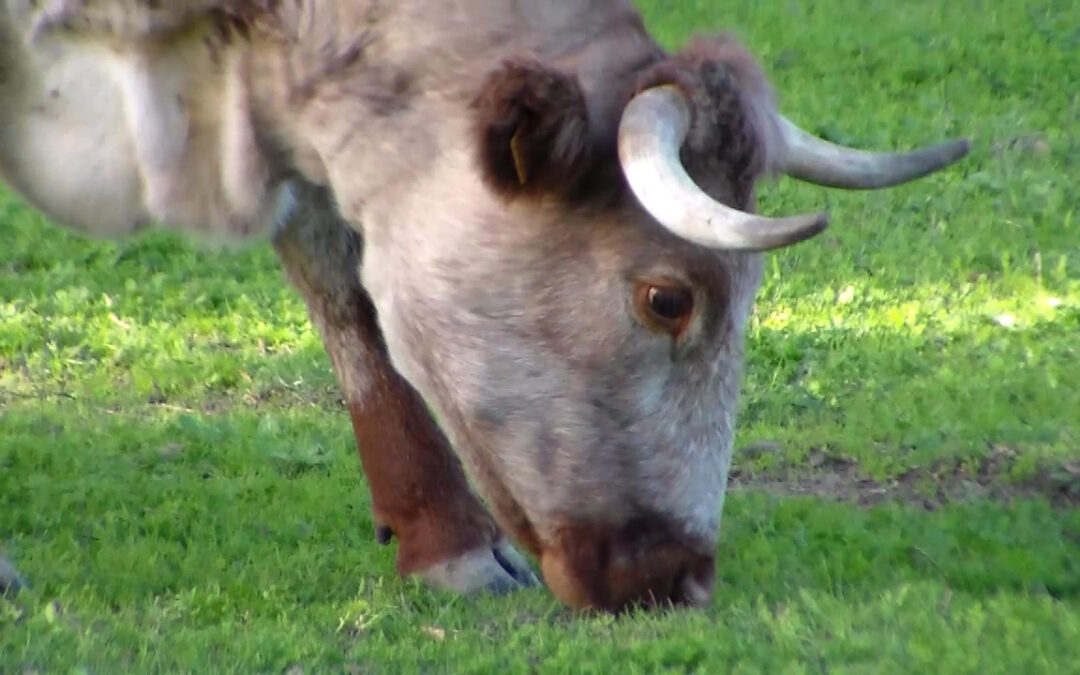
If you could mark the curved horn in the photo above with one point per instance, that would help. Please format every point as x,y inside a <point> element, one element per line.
<point>653,128</point>
<point>809,158</point>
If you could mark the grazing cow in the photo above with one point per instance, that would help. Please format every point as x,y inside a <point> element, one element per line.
<point>554,218</point>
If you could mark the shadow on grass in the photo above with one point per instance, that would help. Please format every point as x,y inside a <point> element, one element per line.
<point>776,545</point>
<point>963,441</point>
<point>897,400</point>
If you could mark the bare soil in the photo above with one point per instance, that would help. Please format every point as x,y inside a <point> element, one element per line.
<point>928,488</point>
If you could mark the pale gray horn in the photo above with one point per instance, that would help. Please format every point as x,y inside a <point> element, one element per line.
<point>653,128</point>
<point>814,160</point>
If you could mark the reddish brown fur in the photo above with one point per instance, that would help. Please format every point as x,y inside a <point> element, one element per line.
<point>418,488</point>
<point>641,563</point>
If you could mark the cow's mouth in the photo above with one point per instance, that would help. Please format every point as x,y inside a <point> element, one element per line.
<point>643,562</point>
<point>640,563</point>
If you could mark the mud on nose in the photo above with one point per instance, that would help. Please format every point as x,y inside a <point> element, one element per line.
<point>644,563</point>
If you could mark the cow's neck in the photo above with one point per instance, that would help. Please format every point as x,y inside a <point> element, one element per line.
<point>363,95</point>
<point>366,97</point>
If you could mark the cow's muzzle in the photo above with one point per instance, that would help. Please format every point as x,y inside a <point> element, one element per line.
<point>643,563</point>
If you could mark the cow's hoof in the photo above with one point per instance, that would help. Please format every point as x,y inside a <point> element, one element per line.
<point>10,581</point>
<point>496,569</point>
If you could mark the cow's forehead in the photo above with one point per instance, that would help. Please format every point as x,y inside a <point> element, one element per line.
<point>626,240</point>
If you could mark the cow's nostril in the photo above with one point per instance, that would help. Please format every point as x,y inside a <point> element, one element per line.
<point>590,568</point>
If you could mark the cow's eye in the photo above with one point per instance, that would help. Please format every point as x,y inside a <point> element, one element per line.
<point>665,306</point>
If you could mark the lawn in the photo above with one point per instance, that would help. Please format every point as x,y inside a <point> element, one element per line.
<point>178,478</point>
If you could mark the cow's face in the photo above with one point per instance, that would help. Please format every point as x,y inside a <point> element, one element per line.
<point>587,366</point>
<point>579,337</point>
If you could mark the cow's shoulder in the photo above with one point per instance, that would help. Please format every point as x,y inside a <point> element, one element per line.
<point>129,19</point>
<point>116,114</point>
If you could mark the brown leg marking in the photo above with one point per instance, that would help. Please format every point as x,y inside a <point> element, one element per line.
<point>418,489</point>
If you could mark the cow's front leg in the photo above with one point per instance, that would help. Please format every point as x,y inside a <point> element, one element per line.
<point>419,492</point>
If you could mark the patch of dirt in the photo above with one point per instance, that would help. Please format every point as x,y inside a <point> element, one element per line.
<point>326,398</point>
<point>929,488</point>
<point>1030,144</point>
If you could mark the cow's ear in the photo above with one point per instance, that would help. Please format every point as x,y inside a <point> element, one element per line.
<point>533,130</point>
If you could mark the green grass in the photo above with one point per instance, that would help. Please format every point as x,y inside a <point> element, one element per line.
<point>177,476</point>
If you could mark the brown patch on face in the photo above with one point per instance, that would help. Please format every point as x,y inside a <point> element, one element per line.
<point>645,562</point>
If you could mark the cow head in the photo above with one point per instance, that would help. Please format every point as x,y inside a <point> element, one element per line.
<point>578,325</point>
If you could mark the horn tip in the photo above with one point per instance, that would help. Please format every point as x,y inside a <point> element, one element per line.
<point>818,223</point>
<point>957,149</point>
<point>801,228</point>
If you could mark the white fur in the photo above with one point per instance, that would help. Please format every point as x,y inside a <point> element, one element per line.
<point>63,141</point>
<point>159,126</point>
<point>108,135</point>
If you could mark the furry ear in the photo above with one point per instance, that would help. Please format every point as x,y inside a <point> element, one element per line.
<point>734,109</point>
<point>532,129</point>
